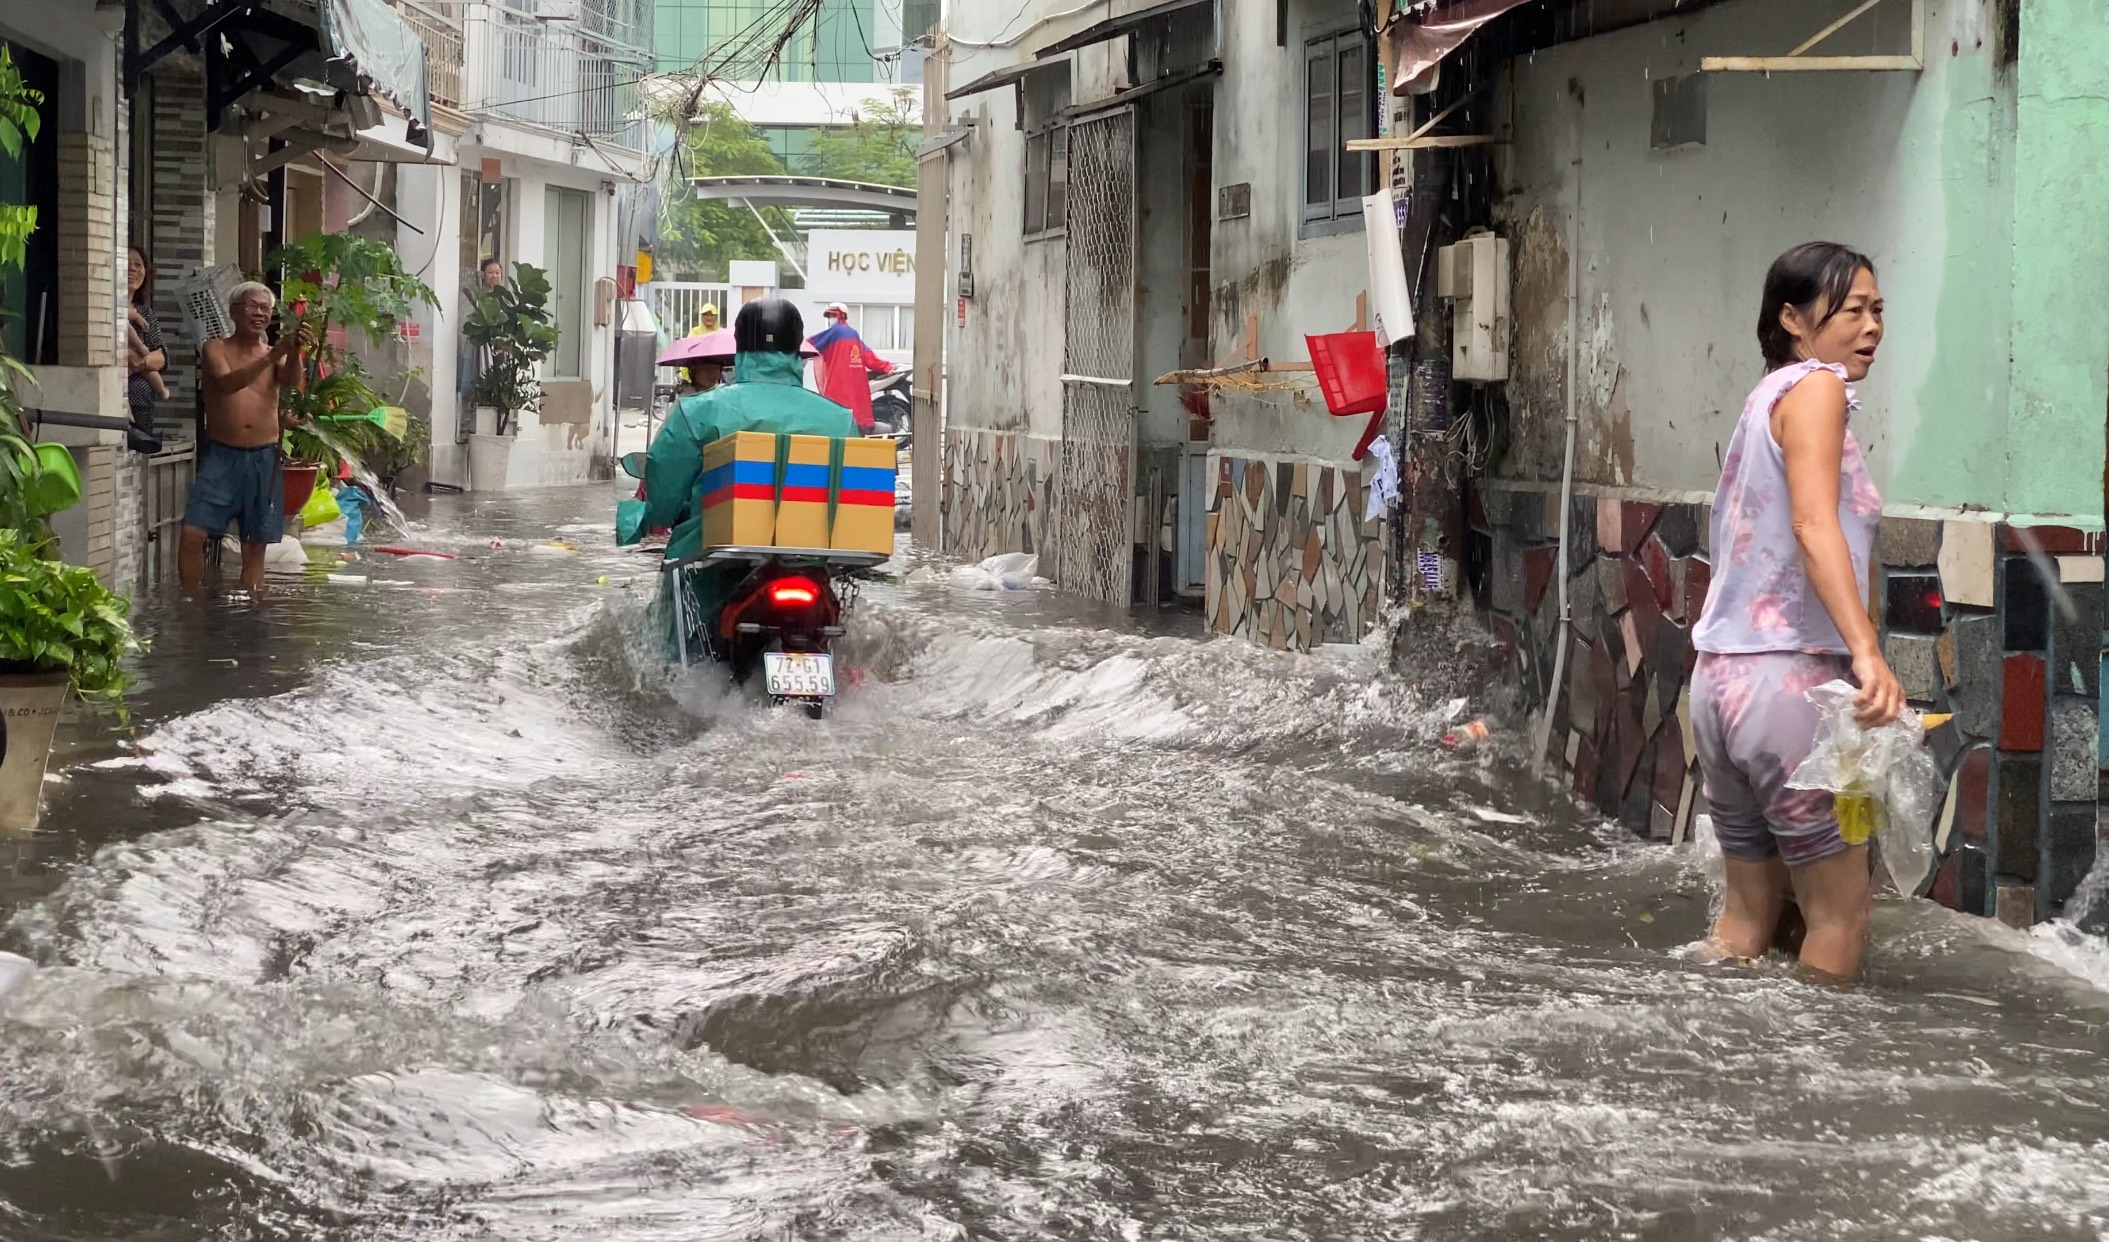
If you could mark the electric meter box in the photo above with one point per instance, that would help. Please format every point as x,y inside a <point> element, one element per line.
<point>1474,276</point>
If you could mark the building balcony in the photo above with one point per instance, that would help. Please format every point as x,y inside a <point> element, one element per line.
<point>574,67</point>
<point>438,23</point>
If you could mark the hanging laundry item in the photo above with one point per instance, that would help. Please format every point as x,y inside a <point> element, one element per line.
<point>1383,482</point>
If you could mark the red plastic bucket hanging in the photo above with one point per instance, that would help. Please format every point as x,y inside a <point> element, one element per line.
<point>1350,367</point>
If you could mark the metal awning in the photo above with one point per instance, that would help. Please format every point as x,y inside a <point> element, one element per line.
<point>998,80</point>
<point>943,142</point>
<point>805,192</point>
<point>1115,27</point>
<point>1412,47</point>
<point>1123,98</point>
<point>375,42</point>
<point>357,48</point>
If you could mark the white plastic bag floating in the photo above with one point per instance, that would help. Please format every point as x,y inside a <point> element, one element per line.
<point>14,972</point>
<point>1887,782</point>
<point>1012,571</point>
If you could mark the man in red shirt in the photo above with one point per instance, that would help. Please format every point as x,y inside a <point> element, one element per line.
<point>847,365</point>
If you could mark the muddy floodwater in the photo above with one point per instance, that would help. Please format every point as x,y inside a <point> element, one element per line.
<point>435,907</point>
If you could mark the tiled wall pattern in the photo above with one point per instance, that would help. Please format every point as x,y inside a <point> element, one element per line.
<point>999,493</point>
<point>1291,563</point>
<point>2000,626</point>
<point>180,231</point>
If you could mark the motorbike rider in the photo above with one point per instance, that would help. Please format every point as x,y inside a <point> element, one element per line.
<point>766,393</point>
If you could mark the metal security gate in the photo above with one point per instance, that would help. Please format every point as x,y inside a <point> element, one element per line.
<point>1094,523</point>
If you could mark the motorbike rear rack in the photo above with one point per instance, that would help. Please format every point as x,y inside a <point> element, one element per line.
<point>831,558</point>
<point>843,558</point>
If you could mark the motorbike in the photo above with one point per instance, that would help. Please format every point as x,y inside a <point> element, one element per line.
<point>891,407</point>
<point>775,630</point>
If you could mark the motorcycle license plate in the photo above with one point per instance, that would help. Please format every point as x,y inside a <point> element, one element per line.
<point>799,675</point>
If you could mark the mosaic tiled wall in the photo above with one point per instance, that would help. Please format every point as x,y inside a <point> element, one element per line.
<point>2002,627</point>
<point>1291,563</point>
<point>999,492</point>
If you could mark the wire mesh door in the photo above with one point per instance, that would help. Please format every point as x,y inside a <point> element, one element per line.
<point>1094,536</point>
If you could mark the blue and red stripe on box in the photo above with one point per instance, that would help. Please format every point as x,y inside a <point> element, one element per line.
<point>803,482</point>
<point>867,485</point>
<point>739,479</point>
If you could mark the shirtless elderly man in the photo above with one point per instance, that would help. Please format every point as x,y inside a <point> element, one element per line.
<point>238,478</point>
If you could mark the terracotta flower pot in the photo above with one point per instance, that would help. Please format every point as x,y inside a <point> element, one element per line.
<point>30,702</point>
<point>299,477</point>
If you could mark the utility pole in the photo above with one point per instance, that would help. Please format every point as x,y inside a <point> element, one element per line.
<point>933,190</point>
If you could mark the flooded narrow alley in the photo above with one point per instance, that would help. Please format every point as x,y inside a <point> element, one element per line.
<point>432,907</point>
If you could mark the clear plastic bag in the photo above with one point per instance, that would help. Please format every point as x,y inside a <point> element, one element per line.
<point>1887,782</point>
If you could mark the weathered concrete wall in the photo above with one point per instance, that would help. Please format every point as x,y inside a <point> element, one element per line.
<point>1263,265</point>
<point>1916,169</point>
<point>1004,366</point>
<point>1004,363</point>
<point>2055,444</point>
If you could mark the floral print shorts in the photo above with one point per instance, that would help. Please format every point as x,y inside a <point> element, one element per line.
<point>1754,725</point>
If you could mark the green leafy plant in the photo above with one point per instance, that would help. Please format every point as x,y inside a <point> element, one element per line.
<point>54,617</point>
<point>877,148</point>
<point>510,327</point>
<point>358,284</point>
<point>339,279</point>
<point>19,123</point>
<point>699,238</point>
<point>57,618</point>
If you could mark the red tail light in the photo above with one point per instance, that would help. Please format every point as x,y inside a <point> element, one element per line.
<point>793,591</point>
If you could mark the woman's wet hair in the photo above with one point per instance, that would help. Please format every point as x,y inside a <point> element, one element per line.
<point>1810,273</point>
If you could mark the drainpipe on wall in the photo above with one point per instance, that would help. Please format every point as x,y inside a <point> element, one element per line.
<point>1574,356</point>
<point>926,391</point>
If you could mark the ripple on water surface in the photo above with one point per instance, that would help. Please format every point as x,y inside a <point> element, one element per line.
<point>446,911</point>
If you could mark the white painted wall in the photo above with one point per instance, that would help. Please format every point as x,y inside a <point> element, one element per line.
<point>1674,244</point>
<point>556,453</point>
<point>429,196</point>
<point>1264,265</point>
<point>1004,368</point>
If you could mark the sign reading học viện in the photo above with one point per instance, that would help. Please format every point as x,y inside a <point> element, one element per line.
<point>861,265</point>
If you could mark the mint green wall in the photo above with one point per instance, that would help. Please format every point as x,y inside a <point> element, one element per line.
<point>1949,420</point>
<point>1980,186</point>
<point>2055,441</point>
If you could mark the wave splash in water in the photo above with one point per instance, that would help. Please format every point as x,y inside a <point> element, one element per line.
<point>1050,931</point>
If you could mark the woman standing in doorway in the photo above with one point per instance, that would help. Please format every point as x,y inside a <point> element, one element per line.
<point>1793,527</point>
<point>144,352</point>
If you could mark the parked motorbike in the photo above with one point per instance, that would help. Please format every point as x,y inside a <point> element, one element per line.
<point>775,631</point>
<point>891,407</point>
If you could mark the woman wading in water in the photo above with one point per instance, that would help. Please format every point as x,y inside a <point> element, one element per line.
<point>1793,526</point>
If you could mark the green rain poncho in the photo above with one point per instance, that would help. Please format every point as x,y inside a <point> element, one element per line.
<point>766,394</point>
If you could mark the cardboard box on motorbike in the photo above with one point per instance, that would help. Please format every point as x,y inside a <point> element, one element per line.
<point>766,490</point>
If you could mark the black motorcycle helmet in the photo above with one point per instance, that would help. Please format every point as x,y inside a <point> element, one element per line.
<point>768,326</point>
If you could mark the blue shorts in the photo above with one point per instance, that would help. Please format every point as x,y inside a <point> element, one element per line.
<point>238,485</point>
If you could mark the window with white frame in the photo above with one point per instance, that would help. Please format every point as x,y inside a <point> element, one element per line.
<point>1337,110</point>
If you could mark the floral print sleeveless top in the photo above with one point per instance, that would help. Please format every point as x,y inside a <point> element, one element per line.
<point>1760,598</point>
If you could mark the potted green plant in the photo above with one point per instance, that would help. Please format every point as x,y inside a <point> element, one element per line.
<point>61,630</point>
<point>512,332</point>
<point>334,284</point>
